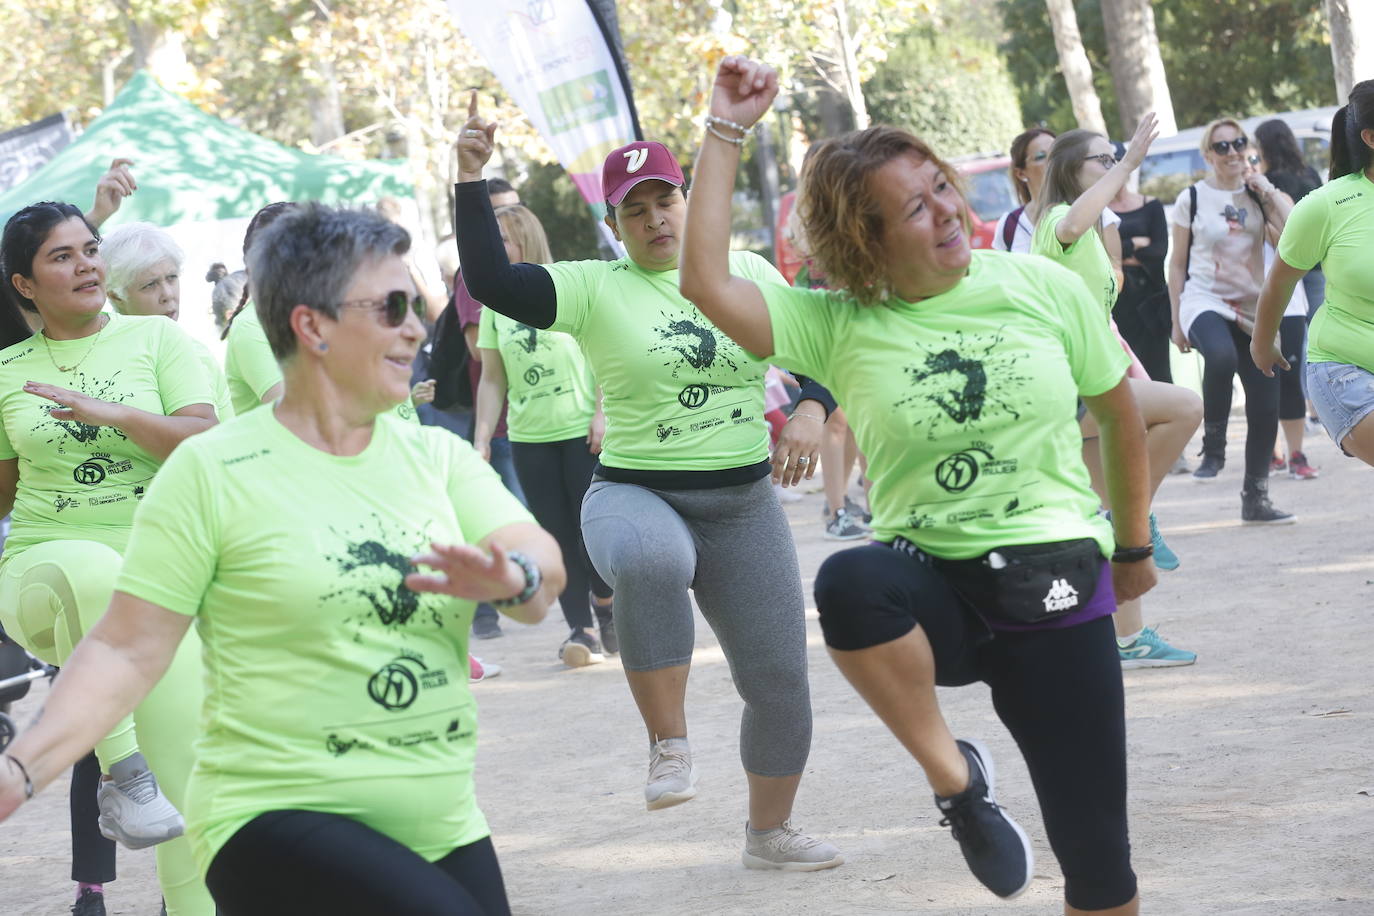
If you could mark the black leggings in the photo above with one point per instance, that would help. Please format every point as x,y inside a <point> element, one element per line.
<point>1058,692</point>
<point>1225,351</point>
<point>555,476</point>
<point>93,856</point>
<point>284,863</point>
<point>1293,344</point>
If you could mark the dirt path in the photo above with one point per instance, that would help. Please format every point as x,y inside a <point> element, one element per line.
<point>1251,776</point>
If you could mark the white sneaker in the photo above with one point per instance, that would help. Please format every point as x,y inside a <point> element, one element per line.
<point>136,813</point>
<point>788,849</point>
<point>672,779</point>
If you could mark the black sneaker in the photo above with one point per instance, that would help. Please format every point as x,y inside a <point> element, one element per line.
<point>90,903</point>
<point>994,846</point>
<point>1209,468</point>
<point>580,649</point>
<point>605,623</point>
<point>486,626</point>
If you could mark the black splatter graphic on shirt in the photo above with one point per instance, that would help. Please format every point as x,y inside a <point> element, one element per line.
<point>372,565</point>
<point>71,433</point>
<point>530,341</point>
<point>971,382</point>
<point>697,345</point>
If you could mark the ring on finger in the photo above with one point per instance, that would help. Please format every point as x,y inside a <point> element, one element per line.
<point>804,460</point>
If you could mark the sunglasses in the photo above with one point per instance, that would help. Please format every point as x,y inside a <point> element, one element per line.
<point>1107,159</point>
<point>1221,147</point>
<point>393,307</point>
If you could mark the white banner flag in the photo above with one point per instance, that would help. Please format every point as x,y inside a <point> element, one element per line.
<point>554,60</point>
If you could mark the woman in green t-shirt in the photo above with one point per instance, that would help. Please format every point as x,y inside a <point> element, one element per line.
<point>1083,175</point>
<point>960,372</point>
<point>680,503</point>
<point>1333,226</point>
<point>128,390</point>
<point>556,427</point>
<point>335,769</point>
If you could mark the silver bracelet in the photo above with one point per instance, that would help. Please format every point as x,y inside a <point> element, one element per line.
<point>725,122</point>
<point>534,578</point>
<point>737,141</point>
<point>28,783</point>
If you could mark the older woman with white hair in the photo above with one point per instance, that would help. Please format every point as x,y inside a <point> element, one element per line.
<point>143,277</point>
<point>334,772</point>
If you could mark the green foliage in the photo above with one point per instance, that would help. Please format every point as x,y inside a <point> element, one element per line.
<point>551,195</point>
<point>1238,57</point>
<point>950,89</point>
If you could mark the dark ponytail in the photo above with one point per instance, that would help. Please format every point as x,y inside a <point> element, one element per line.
<point>261,220</point>
<point>24,234</point>
<point>1349,153</point>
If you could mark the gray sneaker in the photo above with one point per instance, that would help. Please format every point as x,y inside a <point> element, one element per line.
<point>672,779</point>
<point>844,527</point>
<point>134,812</point>
<point>788,849</point>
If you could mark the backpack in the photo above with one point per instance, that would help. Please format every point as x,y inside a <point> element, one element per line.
<point>1009,227</point>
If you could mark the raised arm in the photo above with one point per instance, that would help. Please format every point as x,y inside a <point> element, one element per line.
<point>524,292</point>
<point>1087,209</point>
<point>743,91</point>
<point>111,671</point>
<point>115,185</point>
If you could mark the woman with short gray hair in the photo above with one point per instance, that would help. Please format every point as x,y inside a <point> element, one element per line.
<point>334,773</point>
<point>143,277</point>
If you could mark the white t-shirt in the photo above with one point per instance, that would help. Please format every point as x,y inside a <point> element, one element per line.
<point>1296,305</point>
<point>1021,238</point>
<point>1226,263</point>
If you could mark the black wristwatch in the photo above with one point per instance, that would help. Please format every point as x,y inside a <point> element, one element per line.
<point>534,577</point>
<point>1133,554</point>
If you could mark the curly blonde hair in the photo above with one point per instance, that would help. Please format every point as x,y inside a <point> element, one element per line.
<point>842,218</point>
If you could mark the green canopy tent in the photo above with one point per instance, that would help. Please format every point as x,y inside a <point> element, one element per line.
<point>200,178</point>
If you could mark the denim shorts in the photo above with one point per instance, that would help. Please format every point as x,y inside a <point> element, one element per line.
<point>1343,395</point>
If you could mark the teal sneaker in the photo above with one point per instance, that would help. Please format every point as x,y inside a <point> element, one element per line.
<point>1165,558</point>
<point>1149,650</point>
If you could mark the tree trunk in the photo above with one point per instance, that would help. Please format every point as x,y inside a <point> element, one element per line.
<point>322,92</point>
<point>849,67</point>
<point>1073,60</point>
<point>1137,68</point>
<point>1352,43</point>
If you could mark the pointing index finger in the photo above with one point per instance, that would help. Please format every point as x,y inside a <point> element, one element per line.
<point>472,104</point>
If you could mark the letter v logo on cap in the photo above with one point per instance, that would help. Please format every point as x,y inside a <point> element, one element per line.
<point>637,158</point>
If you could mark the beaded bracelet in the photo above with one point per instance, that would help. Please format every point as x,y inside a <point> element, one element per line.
<point>534,578</point>
<point>713,122</point>
<point>28,783</point>
<point>1133,554</point>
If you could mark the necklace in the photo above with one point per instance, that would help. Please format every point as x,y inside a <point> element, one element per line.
<point>77,365</point>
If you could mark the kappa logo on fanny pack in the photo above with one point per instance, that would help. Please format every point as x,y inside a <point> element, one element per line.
<point>1061,597</point>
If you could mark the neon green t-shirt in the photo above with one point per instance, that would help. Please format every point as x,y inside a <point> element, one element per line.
<point>965,403</point>
<point>224,405</point>
<point>330,685</point>
<point>1334,225</point>
<point>677,393</point>
<point>1087,257</point>
<point>550,389</point>
<point>251,369</point>
<point>79,481</point>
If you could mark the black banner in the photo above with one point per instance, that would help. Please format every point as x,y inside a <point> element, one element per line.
<point>26,149</point>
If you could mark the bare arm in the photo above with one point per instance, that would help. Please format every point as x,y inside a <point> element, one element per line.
<point>1126,464</point>
<point>271,395</point>
<point>484,572</point>
<point>743,91</point>
<point>115,185</point>
<point>1178,260</point>
<point>491,397</point>
<point>110,673</point>
<point>1111,240</point>
<point>1273,300</point>
<point>1087,209</point>
<point>154,433</point>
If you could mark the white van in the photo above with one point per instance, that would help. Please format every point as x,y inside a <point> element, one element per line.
<point>1176,162</point>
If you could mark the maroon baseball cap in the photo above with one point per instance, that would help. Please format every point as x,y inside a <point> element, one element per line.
<point>635,162</point>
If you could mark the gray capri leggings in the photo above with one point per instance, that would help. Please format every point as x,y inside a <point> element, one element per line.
<point>733,547</point>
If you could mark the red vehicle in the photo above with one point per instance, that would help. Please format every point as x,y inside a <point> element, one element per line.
<point>987,185</point>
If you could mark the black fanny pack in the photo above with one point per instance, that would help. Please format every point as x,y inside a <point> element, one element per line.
<point>1023,583</point>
